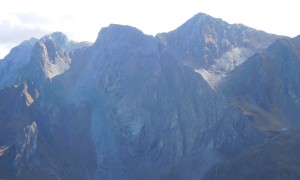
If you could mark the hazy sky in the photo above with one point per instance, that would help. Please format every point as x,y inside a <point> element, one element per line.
<point>82,20</point>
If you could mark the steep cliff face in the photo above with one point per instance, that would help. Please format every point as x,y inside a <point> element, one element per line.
<point>25,147</point>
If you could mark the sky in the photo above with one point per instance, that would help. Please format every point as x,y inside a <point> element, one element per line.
<point>82,20</point>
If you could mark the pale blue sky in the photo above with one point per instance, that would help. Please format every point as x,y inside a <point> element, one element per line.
<point>82,20</point>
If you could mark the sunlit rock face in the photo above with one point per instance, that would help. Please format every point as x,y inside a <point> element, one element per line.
<point>33,59</point>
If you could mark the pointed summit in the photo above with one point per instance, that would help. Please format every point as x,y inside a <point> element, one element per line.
<point>202,17</point>
<point>213,47</point>
<point>57,38</point>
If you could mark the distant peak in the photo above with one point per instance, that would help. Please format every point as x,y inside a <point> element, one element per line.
<point>201,16</point>
<point>199,20</point>
<point>116,28</point>
<point>119,26</point>
<point>118,33</point>
<point>58,38</point>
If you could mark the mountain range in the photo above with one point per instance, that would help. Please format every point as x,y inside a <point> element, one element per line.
<point>205,101</point>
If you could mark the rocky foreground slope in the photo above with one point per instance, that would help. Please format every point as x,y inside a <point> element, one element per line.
<point>277,159</point>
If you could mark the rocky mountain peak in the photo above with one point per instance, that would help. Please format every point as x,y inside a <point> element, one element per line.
<point>58,38</point>
<point>200,19</point>
<point>213,47</point>
<point>116,35</point>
